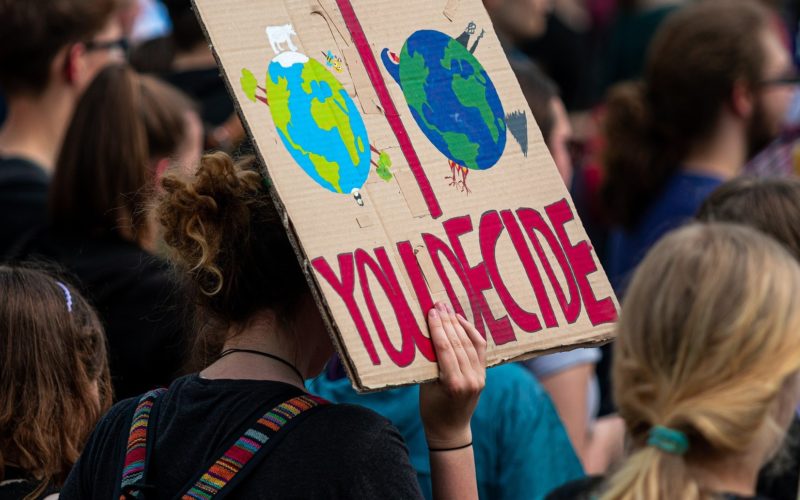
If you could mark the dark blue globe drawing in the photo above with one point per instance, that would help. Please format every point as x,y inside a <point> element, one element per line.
<point>451,98</point>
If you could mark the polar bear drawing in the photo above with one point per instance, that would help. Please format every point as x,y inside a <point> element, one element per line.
<point>280,35</point>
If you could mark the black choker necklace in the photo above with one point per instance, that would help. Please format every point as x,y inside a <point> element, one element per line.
<point>266,355</point>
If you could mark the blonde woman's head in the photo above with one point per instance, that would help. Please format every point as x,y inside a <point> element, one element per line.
<point>708,345</point>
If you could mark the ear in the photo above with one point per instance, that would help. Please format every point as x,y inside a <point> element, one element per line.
<point>160,169</point>
<point>73,64</point>
<point>742,99</point>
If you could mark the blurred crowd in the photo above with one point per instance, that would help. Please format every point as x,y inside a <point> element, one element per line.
<point>140,248</point>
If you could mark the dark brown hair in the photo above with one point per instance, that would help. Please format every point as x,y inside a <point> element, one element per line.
<point>52,351</point>
<point>33,32</point>
<point>186,30</point>
<point>697,56</point>
<point>770,205</point>
<point>231,248</point>
<point>104,177</point>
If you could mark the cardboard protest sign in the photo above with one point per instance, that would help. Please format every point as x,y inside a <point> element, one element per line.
<point>410,169</point>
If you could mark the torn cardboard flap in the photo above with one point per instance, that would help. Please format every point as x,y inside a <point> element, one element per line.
<point>410,171</point>
<point>450,8</point>
<point>367,97</point>
<point>324,9</point>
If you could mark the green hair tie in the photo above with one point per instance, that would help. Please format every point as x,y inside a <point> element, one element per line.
<point>668,440</point>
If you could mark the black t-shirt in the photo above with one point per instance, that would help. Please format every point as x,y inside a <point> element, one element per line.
<point>17,485</point>
<point>338,451</point>
<point>136,299</point>
<point>23,200</point>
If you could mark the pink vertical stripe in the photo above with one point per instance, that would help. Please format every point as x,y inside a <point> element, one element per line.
<point>389,109</point>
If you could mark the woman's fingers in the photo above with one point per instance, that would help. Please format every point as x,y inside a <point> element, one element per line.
<point>446,406</point>
<point>477,340</point>
<point>458,339</point>
<point>445,354</point>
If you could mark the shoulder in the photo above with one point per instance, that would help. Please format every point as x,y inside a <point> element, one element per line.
<point>550,364</point>
<point>514,401</point>
<point>116,419</point>
<point>360,430</point>
<point>18,171</point>
<point>686,191</point>
<point>101,456</point>
<point>349,421</point>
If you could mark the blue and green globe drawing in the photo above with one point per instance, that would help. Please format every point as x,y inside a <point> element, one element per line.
<point>451,98</point>
<point>318,122</point>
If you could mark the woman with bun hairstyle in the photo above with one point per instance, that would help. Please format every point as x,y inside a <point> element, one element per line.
<point>259,336</point>
<point>706,366</point>
<point>53,380</point>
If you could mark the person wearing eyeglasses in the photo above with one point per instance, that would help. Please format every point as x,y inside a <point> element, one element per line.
<point>49,52</point>
<point>716,87</point>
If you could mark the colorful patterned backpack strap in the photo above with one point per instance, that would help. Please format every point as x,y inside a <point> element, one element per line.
<point>134,467</point>
<point>249,449</point>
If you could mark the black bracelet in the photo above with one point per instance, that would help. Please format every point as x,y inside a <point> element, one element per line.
<point>451,449</point>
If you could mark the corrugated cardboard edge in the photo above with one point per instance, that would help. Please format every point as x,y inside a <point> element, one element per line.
<point>313,285</point>
<point>563,348</point>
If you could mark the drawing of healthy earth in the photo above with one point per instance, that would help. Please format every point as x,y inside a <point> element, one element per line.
<point>317,121</point>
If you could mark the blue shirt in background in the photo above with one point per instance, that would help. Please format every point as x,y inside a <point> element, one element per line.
<point>674,206</point>
<point>521,448</point>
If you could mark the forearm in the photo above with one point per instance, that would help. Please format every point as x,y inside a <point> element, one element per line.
<point>453,474</point>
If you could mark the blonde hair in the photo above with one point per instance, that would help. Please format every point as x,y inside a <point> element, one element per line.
<point>706,340</point>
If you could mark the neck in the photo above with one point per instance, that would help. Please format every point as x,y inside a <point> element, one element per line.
<point>723,156</point>
<point>35,126</point>
<point>737,475</point>
<point>506,41</point>
<point>263,334</point>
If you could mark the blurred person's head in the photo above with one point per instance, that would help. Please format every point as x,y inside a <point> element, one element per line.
<point>54,43</point>
<point>106,175</point>
<point>229,244</point>
<point>519,20</point>
<point>713,73</point>
<point>127,15</point>
<point>187,33</point>
<point>706,363</point>
<point>771,205</point>
<point>53,375</point>
<point>549,112</point>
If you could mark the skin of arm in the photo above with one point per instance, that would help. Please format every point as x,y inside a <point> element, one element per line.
<point>453,474</point>
<point>598,444</point>
<point>568,389</point>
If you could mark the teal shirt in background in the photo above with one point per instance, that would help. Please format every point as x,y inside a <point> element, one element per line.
<point>521,448</point>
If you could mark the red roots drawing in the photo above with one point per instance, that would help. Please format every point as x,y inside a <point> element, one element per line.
<point>458,176</point>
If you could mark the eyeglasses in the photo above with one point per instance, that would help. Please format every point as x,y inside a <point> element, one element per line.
<point>118,44</point>
<point>792,79</point>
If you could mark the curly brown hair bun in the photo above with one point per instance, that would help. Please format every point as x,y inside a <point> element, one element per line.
<point>230,246</point>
